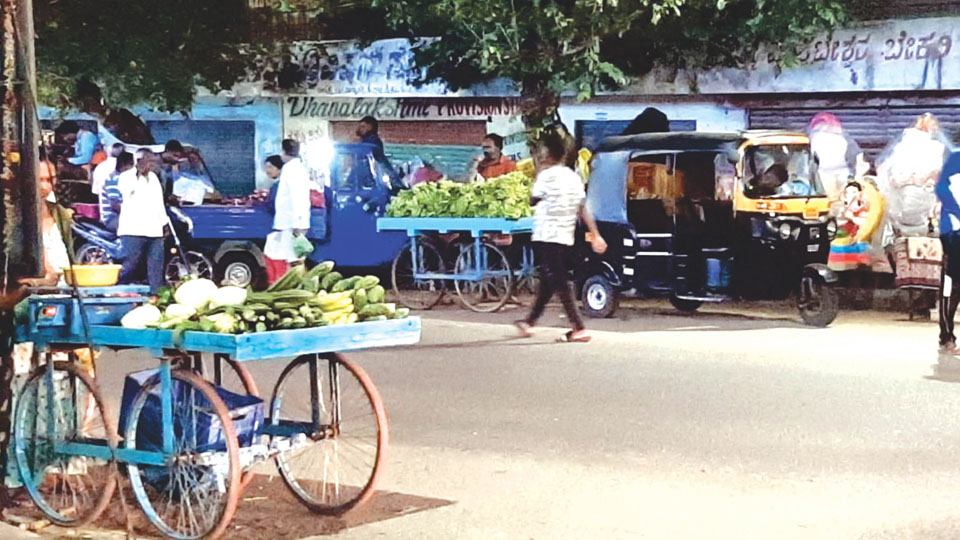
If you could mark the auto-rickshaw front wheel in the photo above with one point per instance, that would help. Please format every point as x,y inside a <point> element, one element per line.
<point>600,299</point>
<point>817,301</point>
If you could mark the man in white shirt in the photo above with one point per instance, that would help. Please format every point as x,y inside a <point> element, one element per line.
<point>292,210</point>
<point>105,169</point>
<point>143,216</point>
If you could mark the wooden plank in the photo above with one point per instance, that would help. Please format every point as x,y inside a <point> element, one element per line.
<point>444,224</point>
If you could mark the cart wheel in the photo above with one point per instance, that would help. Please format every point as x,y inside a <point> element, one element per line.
<point>71,490</point>
<point>418,293</point>
<point>232,376</point>
<point>492,292</point>
<point>337,447</point>
<point>194,495</point>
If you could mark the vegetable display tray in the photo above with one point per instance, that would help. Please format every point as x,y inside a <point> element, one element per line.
<point>255,346</point>
<point>415,225</point>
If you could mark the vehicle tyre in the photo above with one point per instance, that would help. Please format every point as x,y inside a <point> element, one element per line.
<point>89,253</point>
<point>336,433</point>
<point>818,302</point>
<point>240,269</point>
<point>682,304</point>
<point>600,299</point>
<point>200,266</point>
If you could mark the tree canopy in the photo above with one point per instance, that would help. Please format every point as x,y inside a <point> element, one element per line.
<point>550,47</point>
<point>151,52</point>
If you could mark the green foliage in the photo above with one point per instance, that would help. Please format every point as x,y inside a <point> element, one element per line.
<point>503,196</point>
<point>136,52</point>
<point>551,47</point>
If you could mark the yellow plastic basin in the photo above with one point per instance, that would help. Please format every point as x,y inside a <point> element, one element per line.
<point>93,275</point>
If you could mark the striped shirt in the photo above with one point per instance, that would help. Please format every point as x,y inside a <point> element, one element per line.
<point>561,192</point>
<point>109,193</point>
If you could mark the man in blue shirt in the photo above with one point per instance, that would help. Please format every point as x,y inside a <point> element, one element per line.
<point>948,192</point>
<point>84,143</point>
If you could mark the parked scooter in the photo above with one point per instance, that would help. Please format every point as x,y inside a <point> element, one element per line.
<point>96,244</point>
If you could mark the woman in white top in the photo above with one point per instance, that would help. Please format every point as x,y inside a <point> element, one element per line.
<point>291,211</point>
<point>143,216</point>
<point>55,257</point>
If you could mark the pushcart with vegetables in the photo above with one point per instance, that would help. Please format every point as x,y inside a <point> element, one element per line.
<point>483,218</point>
<point>482,273</point>
<point>188,445</point>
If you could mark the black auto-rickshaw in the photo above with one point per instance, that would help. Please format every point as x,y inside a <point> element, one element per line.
<point>703,217</point>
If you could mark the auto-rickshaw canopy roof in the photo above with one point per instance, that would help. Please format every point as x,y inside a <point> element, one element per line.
<point>606,193</point>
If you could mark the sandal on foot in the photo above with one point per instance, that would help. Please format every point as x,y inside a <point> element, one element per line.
<point>579,336</point>
<point>524,328</point>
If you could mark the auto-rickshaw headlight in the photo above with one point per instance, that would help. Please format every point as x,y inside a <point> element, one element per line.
<point>784,230</point>
<point>831,229</point>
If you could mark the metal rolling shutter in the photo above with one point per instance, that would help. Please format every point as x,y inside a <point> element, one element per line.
<point>872,127</point>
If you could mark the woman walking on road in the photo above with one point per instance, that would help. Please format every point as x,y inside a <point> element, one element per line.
<point>558,197</point>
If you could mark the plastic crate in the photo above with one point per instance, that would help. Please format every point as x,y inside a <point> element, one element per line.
<point>246,411</point>
<point>59,315</point>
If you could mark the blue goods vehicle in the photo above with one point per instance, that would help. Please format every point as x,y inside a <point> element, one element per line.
<point>345,231</point>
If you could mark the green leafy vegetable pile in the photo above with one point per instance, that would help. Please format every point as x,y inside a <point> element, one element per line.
<point>505,196</point>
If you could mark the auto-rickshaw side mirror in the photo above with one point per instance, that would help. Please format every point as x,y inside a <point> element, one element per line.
<point>733,155</point>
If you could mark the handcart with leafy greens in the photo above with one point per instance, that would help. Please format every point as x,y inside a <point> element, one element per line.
<point>187,444</point>
<point>488,223</point>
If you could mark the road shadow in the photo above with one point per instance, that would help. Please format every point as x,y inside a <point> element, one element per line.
<point>947,369</point>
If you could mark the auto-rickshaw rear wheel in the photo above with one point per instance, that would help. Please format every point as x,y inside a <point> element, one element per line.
<point>600,299</point>
<point>817,301</point>
<point>684,304</point>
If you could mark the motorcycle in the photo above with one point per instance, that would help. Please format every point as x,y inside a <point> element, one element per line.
<point>96,244</point>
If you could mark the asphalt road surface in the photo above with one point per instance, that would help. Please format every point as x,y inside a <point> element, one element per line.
<point>735,423</point>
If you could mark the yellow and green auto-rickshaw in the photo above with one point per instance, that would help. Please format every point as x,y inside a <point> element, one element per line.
<point>702,217</point>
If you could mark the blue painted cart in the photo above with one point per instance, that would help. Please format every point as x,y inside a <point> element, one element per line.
<point>481,273</point>
<point>189,446</point>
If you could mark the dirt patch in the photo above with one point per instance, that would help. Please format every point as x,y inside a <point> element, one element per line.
<point>267,509</point>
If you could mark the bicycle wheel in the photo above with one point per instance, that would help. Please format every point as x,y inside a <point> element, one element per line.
<point>230,375</point>
<point>336,448</point>
<point>194,495</point>
<point>416,293</point>
<point>71,490</point>
<point>492,291</point>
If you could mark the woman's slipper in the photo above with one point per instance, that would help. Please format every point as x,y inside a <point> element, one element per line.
<point>574,336</point>
<point>524,328</point>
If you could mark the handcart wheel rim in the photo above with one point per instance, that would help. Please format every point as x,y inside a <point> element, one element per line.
<point>233,484</point>
<point>383,434</point>
<point>466,252</point>
<point>106,493</point>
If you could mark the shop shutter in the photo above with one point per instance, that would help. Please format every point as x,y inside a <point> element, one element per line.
<point>872,127</point>
<point>227,146</point>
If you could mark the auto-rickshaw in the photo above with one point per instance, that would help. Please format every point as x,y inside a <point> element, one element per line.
<point>704,217</point>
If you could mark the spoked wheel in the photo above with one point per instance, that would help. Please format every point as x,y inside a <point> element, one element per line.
<point>71,490</point>
<point>200,266</point>
<point>91,254</point>
<point>193,495</point>
<point>818,302</point>
<point>333,431</point>
<point>493,290</point>
<point>413,292</point>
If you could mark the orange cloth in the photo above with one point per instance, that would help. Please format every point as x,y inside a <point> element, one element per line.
<point>496,168</point>
<point>98,157</point>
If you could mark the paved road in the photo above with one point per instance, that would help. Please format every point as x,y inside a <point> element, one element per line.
<point>731,424</point>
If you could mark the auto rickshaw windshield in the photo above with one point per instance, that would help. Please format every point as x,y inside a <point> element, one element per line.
<point>780,171</point>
